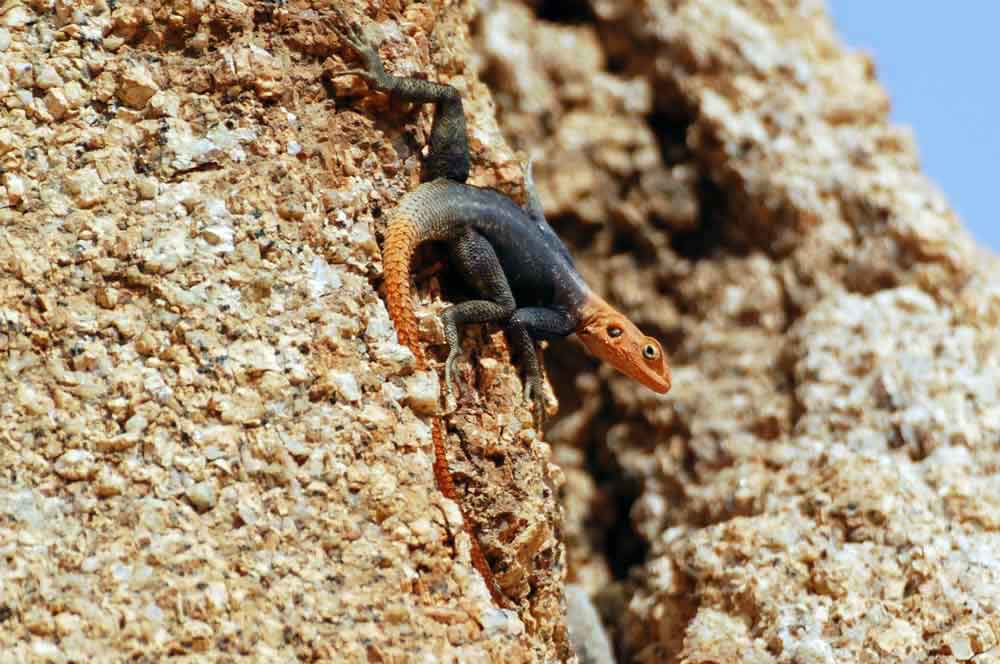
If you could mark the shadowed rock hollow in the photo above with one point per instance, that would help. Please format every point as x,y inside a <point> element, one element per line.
<point>212,444</point>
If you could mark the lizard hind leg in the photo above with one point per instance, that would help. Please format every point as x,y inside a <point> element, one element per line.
<point>476,259</point>
<point>351,34</point>
<point>448,156</point>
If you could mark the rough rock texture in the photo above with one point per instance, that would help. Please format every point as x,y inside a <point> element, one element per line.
<point>211,442</point>
<point>212,446</point>
<point>819,485</point>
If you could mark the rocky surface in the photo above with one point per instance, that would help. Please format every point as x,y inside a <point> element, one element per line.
<point>213,446</point>
<point>212,443</point>
<point>815,487</point>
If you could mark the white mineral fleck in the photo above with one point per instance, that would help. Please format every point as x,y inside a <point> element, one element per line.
<point>47,77</point>
<point>75,465</point>
<point>56,103</point>
<point>346,385</point>
<point>170,196</point>
<point>110,483</point>
<point>230,140</point>
<point>392,392</point>
<point>137,86</point>
<point>960,647</point>
<point>188,151</point>
<point>47,651</point>
<point>501,622</point>
<point>323,277</point>
<point>67,623</point>
<point>255,355</point>
<point>220,236</point>
<point>165,104</point>
<point>86,187</point>
<point>217,595</point>
<point>379,326</point>
<point>24,74</point>
<point>15,188</point>
<point>136,424</point>
<point>395,357</point>
<point>423,391</point>
<point>156,386</point>
<point>202,495</point>
<point>168,251</point>
<point>8,140</point>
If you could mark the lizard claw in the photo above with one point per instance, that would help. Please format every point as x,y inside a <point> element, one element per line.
<point>451,376</point>
<point>348,30</point>
<point>534,395</point>
<point>350,33</point>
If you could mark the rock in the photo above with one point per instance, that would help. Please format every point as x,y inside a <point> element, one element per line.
<point>346,386</point>
<point>16,16</point>
<point>136,86</point>
<point>15,187</point>
<point>86,187</point>
<point>203,392</point>
<point>47,77</point>
<point>202,496</point>
<point>109,483</point>
<point>590,641</point>
<point>75,465</point>
<point>423,392</point>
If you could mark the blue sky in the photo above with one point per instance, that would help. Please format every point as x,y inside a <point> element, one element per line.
<point>941,65</point>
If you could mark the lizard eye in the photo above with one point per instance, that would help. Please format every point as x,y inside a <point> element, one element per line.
<point>614,331</point>
<point>650,352</point>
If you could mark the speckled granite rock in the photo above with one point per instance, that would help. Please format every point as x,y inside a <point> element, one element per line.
<point>213,446</point>
<point>818,485</point>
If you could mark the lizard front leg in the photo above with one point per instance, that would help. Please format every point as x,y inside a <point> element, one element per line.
<point>527,325</point>
<point>524,348</point>
<point>476,259</point>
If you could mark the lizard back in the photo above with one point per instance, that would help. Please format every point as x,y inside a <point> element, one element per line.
<point>537,264</point>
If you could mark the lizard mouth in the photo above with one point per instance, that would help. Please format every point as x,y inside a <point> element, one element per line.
<point>658,382</point>
<point>613,338</point>
<point>656,377</point>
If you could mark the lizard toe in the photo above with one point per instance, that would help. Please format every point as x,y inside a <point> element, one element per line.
<point>534,395</point>
<point>451,375</point>
<point>351,34</point>
<point>347,30</point>
<point>539,413</point>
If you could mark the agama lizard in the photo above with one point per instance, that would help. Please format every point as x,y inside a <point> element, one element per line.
<point>508,254</point>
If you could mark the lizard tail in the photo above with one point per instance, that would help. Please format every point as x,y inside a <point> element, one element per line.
<point>401,240</point>
<point>446,485</point>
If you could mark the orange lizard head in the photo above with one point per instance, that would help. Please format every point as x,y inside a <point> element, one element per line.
<point>613,338</point>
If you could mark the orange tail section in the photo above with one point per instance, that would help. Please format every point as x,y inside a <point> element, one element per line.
<point>401,240</point>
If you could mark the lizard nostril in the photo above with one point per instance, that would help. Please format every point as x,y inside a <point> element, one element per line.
<point>650,352</point>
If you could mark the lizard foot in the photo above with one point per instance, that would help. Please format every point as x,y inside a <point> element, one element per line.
<point>451,378</point>
<point>535,395</point>
<point>351,34</point>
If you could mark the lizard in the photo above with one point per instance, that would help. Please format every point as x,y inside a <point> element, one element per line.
<point>510,255</point>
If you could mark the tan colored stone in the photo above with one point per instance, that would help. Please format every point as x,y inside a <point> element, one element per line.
<point>222,451</point>
<point>136,86</point>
